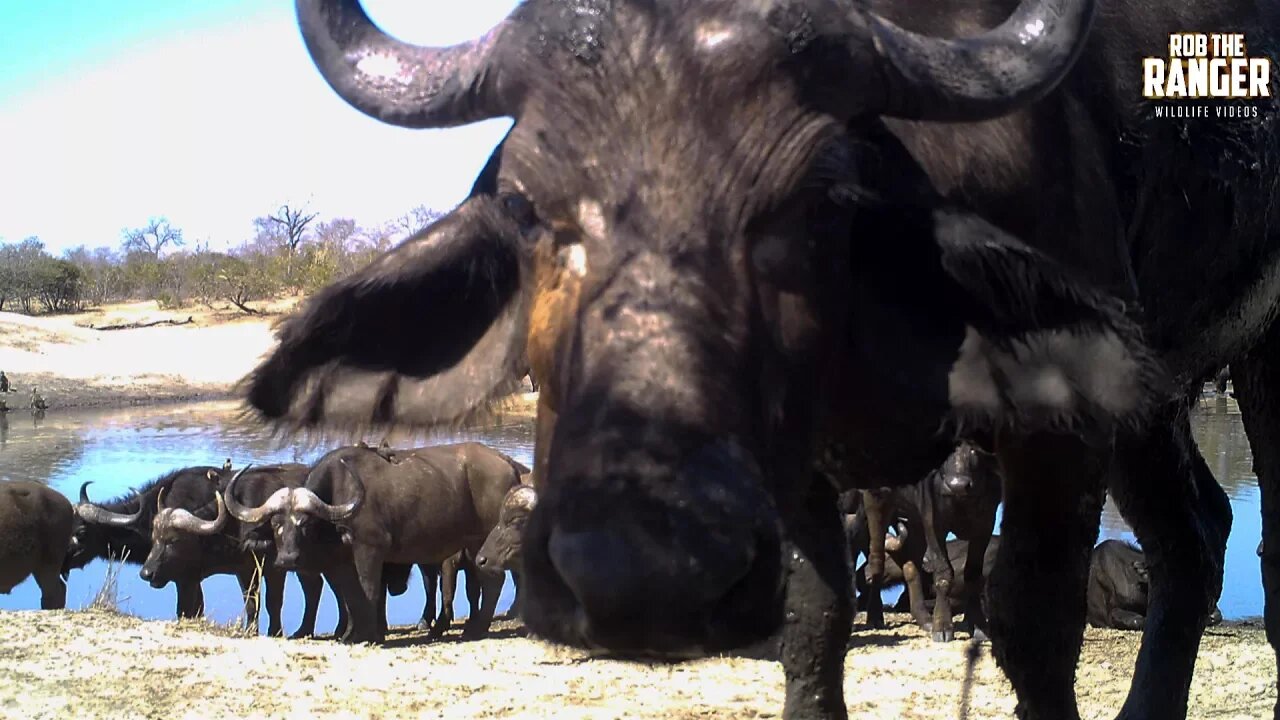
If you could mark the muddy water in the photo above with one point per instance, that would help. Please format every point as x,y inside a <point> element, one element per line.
<point>119,449</point>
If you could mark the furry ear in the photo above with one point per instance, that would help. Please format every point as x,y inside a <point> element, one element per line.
<point>426,335</point>
<point>1041,349</point>
<point>954,319</point>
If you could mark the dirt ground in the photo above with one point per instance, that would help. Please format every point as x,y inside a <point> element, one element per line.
<point>74,364</point>
<point>96,664</point>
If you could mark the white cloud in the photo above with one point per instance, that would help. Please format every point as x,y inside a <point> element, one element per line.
<point>220,125</point>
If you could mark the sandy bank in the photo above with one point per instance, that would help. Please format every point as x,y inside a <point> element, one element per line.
<point>100,665</point>
<point>74,365</point>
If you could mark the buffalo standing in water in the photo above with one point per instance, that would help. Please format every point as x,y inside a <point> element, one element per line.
<point>750,215</point>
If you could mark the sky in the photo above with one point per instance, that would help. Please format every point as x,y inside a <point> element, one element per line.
<point>209,113</point>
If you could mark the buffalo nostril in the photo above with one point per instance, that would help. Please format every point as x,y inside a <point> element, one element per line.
<point>612,573</point>
<point>482,561</point>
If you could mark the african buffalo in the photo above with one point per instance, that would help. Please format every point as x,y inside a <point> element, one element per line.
<point>1119,587</point>
<point>119,530</point>
<point>957,552</point>
<point>960,497</point>
<point>767,240</point>
<point>415,506</point>
<point>501,549</point>
<point>35,530</point>
<point>187,547</point>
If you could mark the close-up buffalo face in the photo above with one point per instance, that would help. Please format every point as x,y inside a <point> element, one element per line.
<point>727,258</point>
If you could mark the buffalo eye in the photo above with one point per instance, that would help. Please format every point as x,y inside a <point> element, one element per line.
<point>519,209</point>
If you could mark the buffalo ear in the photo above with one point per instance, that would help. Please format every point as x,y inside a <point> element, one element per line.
<point>426,335</point>
<point>1041,348</point>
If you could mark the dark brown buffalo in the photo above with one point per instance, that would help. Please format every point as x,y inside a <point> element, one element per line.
<point>501,549</point>
<point>119,530</point>
<point>960,497</point>
<point>773,241</point>
<point>894,574</point>
<point>187,546</point>
<point>35,530</point>
<point>1120,587</point>
<point>360,508</point>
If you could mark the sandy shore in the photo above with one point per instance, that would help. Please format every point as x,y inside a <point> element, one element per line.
<point>75,365</point>
<point>94,664</point>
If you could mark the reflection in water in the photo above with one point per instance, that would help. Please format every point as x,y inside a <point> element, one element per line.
<point>120,449</point>
<point>123,448</point>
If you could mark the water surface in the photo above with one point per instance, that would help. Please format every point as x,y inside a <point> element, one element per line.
<point>123,448</point>
<point>120,449</point>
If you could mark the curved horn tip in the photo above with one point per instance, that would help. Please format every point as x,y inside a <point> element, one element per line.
<point>84,495</point>
<point>978,78</point>
<point>403,84</point>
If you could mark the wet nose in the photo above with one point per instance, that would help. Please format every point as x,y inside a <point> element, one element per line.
<point>146,573</point>
<point>620,578</point>
<point>959,484</point>
<point>287,560</point>
<point>482,561</point>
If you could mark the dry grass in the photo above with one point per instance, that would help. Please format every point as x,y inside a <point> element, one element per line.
<point>58,664</point>
<point>108,599</point>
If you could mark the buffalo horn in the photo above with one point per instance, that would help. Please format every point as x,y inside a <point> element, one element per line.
<point>976,78</point>
<point>98,515</point>
<point>184,520</point>
<point>400,83</point>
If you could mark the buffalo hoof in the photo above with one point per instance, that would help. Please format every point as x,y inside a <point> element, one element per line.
<point>979,635</point>
<point>875,622</point>
<point>424,626</point>
<point>944,635</point>
<point>303,635</point>
<point>475,633</point>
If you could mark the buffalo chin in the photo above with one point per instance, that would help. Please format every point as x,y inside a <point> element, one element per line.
<point>748,614</point>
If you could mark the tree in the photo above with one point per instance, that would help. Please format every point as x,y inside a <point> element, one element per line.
<point>18,264</point>
<point>152,238</point>
<point>59,284</point>
<point>290,225</point>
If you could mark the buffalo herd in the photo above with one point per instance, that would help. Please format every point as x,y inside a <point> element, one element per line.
<point>772,261</point>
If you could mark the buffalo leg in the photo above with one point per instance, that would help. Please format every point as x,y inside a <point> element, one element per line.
<point>914,591</point>
<point>876,526</point>
<point>53,591</point>
<point>430,579</point>
<point>935,537</point>
<point>274,580</point>
<point>312,586</point>
<point>1257,382</point>
<point>448,591</point>
<point>190,599</point>
<point>819,610</point>
<point>1181,517</point>
<point>1053,503</point>
<point>975,622</point>
<point>484,601</point>
<point>360,588</point>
